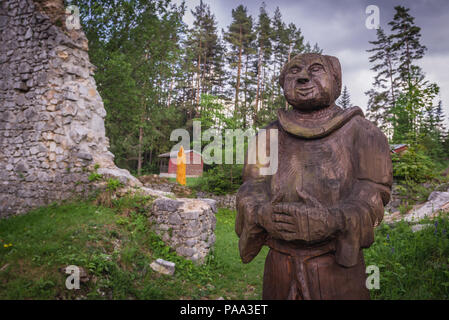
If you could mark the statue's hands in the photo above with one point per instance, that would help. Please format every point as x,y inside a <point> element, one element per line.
<point>265,217</point>
<point>308,220</point>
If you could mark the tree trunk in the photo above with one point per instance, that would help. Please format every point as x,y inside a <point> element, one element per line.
<point>391,80</point>
<point>407,51</point>
<point>259,65</point>
<point>231,174</point>
<point>262,88</point>
<point>237,86</point>
<point>246,91</point>
<point>198,80</point>
<point>169,92</point>
<point>139,155</point>
<point>191,109</point>
<point>203,77</point>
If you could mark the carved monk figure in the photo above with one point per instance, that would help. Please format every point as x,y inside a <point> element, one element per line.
<point>319,209</point>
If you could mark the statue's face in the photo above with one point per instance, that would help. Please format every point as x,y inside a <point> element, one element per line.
<point>309,83</point>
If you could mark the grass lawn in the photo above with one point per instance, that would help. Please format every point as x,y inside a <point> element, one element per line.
<point>116,247</point>
<point>411,265</point>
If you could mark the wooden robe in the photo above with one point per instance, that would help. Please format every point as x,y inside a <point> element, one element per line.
<point>342,161</point>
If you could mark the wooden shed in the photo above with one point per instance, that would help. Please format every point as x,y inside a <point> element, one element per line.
<point>398,148</point>
<point>167,164</point>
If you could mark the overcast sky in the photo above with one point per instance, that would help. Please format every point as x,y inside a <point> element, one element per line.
<point>338,27</point>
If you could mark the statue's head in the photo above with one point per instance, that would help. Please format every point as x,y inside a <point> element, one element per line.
<point>311,81</point>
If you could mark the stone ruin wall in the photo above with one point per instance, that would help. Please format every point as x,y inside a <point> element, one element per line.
<point>51,116</point>
<point>186,225</point>
<point>52,127</point>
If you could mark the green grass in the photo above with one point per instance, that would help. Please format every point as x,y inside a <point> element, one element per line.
<point>191,182</point>
<point>240,281</point>
<point>116,247</point>
<point>412,265</point>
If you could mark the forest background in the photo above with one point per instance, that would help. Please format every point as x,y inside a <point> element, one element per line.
<point>155,74</point>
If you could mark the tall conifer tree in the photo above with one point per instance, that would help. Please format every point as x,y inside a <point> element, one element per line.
<point>345,99</point>
<point>264,32</point>
<point>406,45</point>
<point>238,35</point>
<point>385,88</point>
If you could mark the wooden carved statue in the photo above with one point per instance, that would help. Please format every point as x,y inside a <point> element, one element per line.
<point>181,167</point>
<point>319,209</point>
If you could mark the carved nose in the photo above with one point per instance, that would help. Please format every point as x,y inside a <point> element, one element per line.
<point>302,79</point>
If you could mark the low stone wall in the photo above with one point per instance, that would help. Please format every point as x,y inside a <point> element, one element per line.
<point>186,225</point>
<point>223,201</point>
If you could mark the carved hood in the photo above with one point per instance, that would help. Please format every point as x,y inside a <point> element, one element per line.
<point>316,124</point>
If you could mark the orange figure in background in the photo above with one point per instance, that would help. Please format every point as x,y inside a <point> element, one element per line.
<point>181,167</point>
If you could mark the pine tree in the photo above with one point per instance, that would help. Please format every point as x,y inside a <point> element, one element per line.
<point>409,113</point>
<point>406,46</point>
<point>401,100</point>
<point>280,41</point>
<point>439,120</point>
<point>296,41</point>
<point>238,34</point>
<point>377,102</point>
<point>345,99</point>
<point>208,51</point>
<point>432,132</point>
<point>249,77</point>
<point>385,89</point>
<point>440,117</point>
<point>417,93</point>
<point>264,32</point>
<point>281,51</point>
<point>315,49</point>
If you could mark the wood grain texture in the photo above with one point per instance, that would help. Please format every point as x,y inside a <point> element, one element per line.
<point>319,210</point>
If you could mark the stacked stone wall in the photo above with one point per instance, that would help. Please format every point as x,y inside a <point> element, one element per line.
<point>52,129</point>
<point>186,225</point>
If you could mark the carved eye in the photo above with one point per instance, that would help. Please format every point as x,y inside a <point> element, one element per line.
<point>294,70</point>
<point>316,68</point>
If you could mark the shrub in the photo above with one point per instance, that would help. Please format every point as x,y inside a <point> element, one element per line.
<point>220,179</point>
<point>95,177</point>
<point>413,165</point>
<point>113,184</point>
